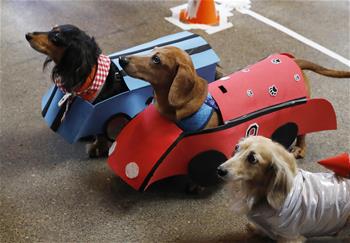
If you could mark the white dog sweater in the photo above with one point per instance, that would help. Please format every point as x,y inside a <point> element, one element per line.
<point>318,204</point>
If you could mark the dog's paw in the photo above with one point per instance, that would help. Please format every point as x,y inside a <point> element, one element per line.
<point>299,153</point>
<point>194,189</point>
<point>96,151</point>
<point>252,229</point>
<point>299,239</point>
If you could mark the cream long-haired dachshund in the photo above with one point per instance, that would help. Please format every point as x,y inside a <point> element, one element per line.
<point>180,92</point>
<point>281,201</point>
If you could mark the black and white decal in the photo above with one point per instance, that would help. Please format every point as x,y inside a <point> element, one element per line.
<point>252,130</point>
<point>273,90</point>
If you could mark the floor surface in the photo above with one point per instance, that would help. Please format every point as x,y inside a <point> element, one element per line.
<point>50,191</point>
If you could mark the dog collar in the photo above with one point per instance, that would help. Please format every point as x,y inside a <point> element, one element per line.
<point>93,84</point>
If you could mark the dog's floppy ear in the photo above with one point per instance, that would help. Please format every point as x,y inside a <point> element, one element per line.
<point>281,182</point>
<point>75,65</point>
<point>181,88</point>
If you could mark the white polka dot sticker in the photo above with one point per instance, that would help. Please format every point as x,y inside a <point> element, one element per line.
<point>112,148</point>
<point>131,170</point>
<point>225,78</point>
<point>296,77</point>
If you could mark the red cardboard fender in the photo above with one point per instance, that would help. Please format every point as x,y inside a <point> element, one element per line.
<point>225,137</point>
<point>139,138</point>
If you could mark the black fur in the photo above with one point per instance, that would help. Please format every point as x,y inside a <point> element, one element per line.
<point>80,55</point>
<point>75,53</point>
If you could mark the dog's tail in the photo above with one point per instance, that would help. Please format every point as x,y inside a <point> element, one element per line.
<point>307,65</point>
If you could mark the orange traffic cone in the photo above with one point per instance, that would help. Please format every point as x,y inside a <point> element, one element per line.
<point>205,14</point>
<point>340,164</point>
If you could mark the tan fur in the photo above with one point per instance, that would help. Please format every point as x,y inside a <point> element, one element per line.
<point>268,181</point>
<point>42,44</point>
<point>307,65</point>
<point>179,91</point>
<point>299,149</point>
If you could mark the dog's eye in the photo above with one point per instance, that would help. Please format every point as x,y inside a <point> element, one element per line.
<point>251,158</point>
<point>155,59</point>
<point>56,36</point>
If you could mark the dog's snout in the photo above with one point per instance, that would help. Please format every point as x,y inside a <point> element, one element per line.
<point>28,36</point>
<point>123,61</point>
<point>221,171</point>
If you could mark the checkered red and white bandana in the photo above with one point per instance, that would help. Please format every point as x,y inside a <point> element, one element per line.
<point>103,65</point>
<point>91,92</point>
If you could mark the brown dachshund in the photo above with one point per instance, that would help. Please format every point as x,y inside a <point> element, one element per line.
<point>179,92</point>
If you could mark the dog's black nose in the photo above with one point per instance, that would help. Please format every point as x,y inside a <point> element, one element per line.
<point>28,37</point>
<point>123,61</point>
<point>221,171</point>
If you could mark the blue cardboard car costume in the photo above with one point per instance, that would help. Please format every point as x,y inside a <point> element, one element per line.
<point>268,98</point>
<point>86,119</point>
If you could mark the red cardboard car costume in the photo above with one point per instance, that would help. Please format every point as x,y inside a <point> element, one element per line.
<point>268,98</point>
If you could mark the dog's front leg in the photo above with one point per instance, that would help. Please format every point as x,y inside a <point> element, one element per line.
<point>99,148</point>
<point>299,149</point>
<point>254,230</point>
<point>344,233</point>
<point>193,188</point>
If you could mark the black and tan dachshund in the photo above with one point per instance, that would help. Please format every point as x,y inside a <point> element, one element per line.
<point>76,58</point>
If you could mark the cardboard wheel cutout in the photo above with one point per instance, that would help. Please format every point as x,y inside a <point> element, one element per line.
<point>202,168</point>
<point>285,134</point>
<point>115,124</point>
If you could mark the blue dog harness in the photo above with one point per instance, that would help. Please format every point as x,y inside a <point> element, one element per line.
<point>200,119</point>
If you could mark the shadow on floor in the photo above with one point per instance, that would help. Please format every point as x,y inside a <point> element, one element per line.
<point>229,238</point>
